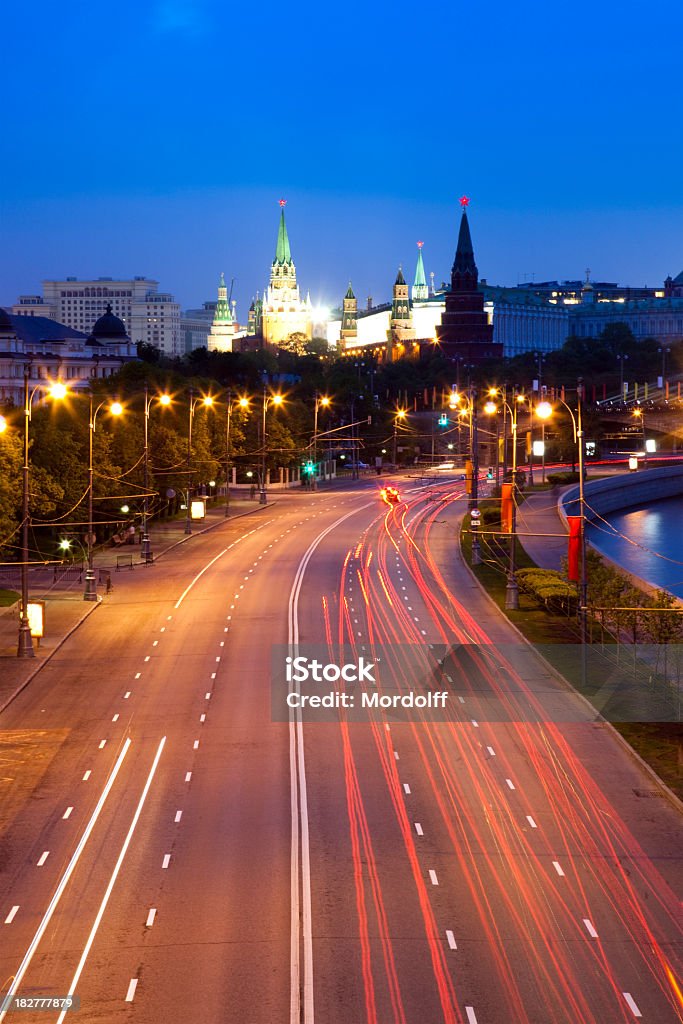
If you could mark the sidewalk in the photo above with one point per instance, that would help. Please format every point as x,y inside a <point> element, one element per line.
<point>65,608</point>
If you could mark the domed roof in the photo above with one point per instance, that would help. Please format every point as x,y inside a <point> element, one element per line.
<point>109,326</point>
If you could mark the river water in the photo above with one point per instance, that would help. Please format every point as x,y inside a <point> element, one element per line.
<point>646,541</point>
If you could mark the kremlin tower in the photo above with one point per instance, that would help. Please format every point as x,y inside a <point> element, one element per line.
<point>223,326</point>
<point>465,331</point>
<point>283,312</point>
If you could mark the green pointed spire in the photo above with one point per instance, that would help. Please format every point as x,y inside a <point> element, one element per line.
<point>420,279</point>
<point>400,279</point>
<point>349,293</point>
<point>282,253</point>
<point>223,315</point>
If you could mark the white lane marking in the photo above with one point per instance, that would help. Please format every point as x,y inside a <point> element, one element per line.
<point>155,644</point>
<point>418,828</point>
<point>166,861</point>
<point>396,755</point>
<point>188,776</point>
<point>301,917</point>
<point>102,743</point>
<point>147,657</point>
<point>423,632</point>
<point>432,875</point>
<point>196,744</point>
<point>558,868</point>
<point>631,1004</point>
<point>163,629</point>
<point>12,914</point>
<point>589,928</point>
<point>510,783</point>
<point>168,618</point>
<point>43,858</point>
<point>150,917</point>
<point>471,1015</point>
<point>207,696</point>
<point>449,678</point>
<point>115,718</point>
<point>178,816</point>
<point>114,876</point>
<point>531,821</point>
<point>42,927</point>
<point>202,718</point>
<point>491,751</point>
<point>218,658</point>
<point>130,994</point>
<point>475,723</point>
<point>87,775</point>
<point>452,944</point>
<point>226,628</point>
<point>461,699</point>
<point>199,575</point>
<point>126,695</point>
<point>67,813</point>
<point>138,674</point>
<point>222,643</point>
<point>406,788</point>
<point>213,676</point>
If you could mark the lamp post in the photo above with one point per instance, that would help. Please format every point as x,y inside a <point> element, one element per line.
<point>640,415</point>
<point>491,409</point>
<point>206,400</point>
<point>621,357</point>
<point>146,546</point>
<point>267,400</point>
<point>90,592</point>
<point>242,403</point>
<point>324,401</point>
<point>400,414</point>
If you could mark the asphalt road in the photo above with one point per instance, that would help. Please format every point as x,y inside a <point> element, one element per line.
<point>176,855</point>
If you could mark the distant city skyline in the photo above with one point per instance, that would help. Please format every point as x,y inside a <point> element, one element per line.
<point>144,157</point>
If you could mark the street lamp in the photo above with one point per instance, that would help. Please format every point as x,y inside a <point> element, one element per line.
<point>491,409</point>
<point>146,551</point>
<point>58,390</point>
<point>267,400</point>
<point>115,408</point>
<point>241,403</point>
<point>324,401</point>
<point>640,415</point>
<point>205,400</point>
<point>399,415</point>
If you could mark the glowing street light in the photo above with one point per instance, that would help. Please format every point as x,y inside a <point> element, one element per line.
<point>277,401</point>
<point>115,409</point>
<point>146,546</point>
<point>399,417</point>
<point>240,403</point>
<point>206,401</point>
<point>324,401</point>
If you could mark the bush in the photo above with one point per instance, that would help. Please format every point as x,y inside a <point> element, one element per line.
<point>548,587</point>
<point>563,478</point>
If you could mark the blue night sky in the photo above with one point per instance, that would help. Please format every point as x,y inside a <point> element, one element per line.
<point>157,138</point>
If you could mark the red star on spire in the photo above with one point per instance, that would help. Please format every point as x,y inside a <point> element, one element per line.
<point>420,244</point>
<point>283,202</point>
<point>464,201</point>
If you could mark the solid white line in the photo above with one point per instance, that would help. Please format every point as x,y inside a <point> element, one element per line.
<point>510,783</point>
<point>150,917</point>
<point>87,775</point>
<point>471,1015</point>
<point>43,858</point>
<point>406,788</point>
<point>432,875</point>
<point>67,813</point>
<point>42,927</point>
<point>130,994</point>
<point>12,914</point>
<point>166,861</point>
<point>631,1004</point>
<point>491,751</point>
<point>590,929</point>
<point>531,821</point>
<point>199,575</point>
<point>178,815</point>
<point>418,828</point>
<point>112,881</point>
<point>558,868</point>
<point>452,944</point>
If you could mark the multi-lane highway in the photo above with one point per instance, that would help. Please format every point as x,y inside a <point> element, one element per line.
<point>171,853</point>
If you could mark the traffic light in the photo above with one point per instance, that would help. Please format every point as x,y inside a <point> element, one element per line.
<point>308,468</point>
<point>443,420</point>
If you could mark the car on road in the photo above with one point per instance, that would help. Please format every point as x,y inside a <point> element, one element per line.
<point>390,495</point>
